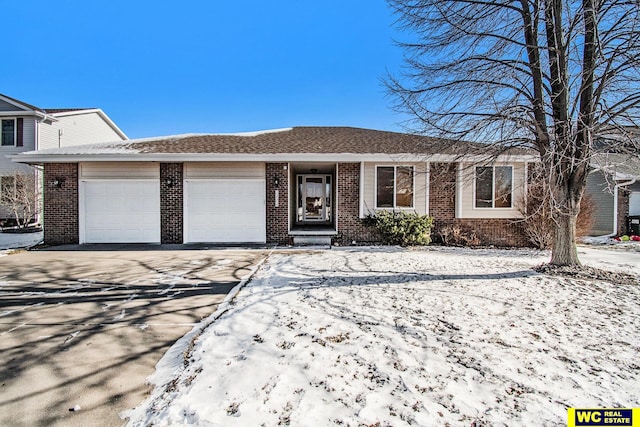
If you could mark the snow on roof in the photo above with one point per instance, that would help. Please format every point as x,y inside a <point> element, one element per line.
<point>255,133</point>
<point>115,147</point>
<point>622,166</point>
<point>327,142</point>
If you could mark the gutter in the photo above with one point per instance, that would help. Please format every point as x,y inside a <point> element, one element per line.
<point>615,206</point>
<point>121,155</point>
<point>37,114</point>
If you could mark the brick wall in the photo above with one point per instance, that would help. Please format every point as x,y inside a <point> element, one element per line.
<point>350,226</point>
<point>277,217</point>
<point>442,207</point>
<point>496,232</point>
<point>442,191</point>
<point>60,216</point>
<point>171,203</point>
<point>623,209</point>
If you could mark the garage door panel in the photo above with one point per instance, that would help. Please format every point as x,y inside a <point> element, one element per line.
<point>121,211</point>
<point>225,211</point>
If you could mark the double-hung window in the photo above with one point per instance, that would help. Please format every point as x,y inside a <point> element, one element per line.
<point>394,187</point>
<point>8,132</point>
<point>494,187</point>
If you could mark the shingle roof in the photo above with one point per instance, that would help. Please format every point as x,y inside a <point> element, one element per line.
<point>24,104</point>
<point>65,110</point>
<point>297,140</point>
<point>294,144</point>
<point>622,166</point>
<point>44,110</point>
<point>303,140</point>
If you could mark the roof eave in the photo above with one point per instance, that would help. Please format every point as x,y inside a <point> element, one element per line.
<point>37,158</point>
<point>28,113</point>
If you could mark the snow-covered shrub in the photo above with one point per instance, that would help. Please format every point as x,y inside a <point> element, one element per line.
<point>402,228</point>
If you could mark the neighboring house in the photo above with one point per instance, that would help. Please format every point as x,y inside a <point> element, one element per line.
<point>25,127</point>
<point>311,184</point>
<point>614,187</point>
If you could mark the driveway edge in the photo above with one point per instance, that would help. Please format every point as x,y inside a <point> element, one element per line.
<point>176,359</point>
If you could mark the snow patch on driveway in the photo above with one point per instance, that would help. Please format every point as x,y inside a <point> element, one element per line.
<point>19,240</point>
<point>429,337</point>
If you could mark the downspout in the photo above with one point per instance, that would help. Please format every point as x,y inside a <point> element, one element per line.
<point>615,206</point>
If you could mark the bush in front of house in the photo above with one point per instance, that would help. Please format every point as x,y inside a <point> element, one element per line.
<point>454,235</point>
<point>401,228</point>
<point>536,212</point>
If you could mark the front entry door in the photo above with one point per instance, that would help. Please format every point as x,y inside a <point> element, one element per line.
<point>314,198</point>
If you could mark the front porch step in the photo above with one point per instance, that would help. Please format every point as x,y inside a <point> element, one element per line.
<point>312,241</point>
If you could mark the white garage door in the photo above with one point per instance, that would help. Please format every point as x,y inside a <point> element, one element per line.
<point>120,211</point>
<point>225,211</point>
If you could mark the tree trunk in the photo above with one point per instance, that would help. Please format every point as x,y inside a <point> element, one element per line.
<point>564,240</point>
<point>566,191</point>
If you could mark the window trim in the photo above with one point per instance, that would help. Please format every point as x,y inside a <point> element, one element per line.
<point>493,187</point>
<point>15,131</point>
<point>395,171</point>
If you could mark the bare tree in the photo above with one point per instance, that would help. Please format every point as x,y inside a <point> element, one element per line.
<point>18,196</point>
<point>536,220</point>
<point>550,75</point>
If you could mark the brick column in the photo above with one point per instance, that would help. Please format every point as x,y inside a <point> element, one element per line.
<point>277,217</point>
<point>623,209</point>
<point>442,191</point>
<point>60,192</point>
<point>350,226</point>
<point>171,203</point>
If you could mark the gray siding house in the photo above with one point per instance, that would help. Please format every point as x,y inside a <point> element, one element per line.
<point>614,187</point>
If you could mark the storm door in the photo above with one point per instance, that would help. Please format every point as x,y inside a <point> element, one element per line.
<point>314,198</point>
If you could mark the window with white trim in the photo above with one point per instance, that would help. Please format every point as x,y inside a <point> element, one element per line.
<point>394,186</point>
<point>493,187</point>
<point>8,132</point>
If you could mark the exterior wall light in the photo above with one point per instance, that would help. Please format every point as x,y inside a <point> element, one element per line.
<point>57,183</point>
<point>276,181</point>
<point>169,182</point>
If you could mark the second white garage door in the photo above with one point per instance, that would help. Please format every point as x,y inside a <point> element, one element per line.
<point>225,211</point>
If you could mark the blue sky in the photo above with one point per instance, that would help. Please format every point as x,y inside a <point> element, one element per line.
<point>160,68</point>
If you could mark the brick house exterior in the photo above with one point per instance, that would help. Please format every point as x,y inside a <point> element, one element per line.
<point>345,185</point>
<point>60,210</point>
<point>277,221</point>
<point>171,202</point>
<point>442,200</point>
<point>352,229</point>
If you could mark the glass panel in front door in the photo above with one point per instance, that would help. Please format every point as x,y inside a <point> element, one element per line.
<point>314,198</point>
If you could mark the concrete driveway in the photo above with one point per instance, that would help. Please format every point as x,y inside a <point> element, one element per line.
<point>84,329</point>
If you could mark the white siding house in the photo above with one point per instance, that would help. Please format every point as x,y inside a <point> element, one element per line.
<point>78,128</point>
<point>24,127</point>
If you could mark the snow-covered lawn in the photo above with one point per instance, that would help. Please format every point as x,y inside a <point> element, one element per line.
<point>385,336</point>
